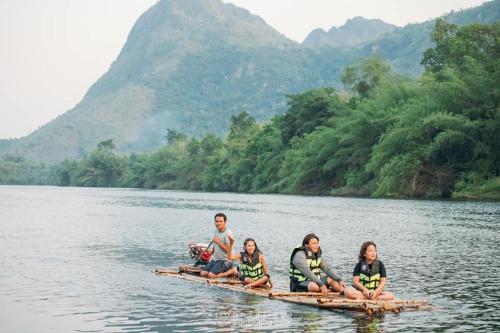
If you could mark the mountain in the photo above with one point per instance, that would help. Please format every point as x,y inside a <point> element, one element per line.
<point>191,64</point>
<point>187,65</point>
<point>403,47</point>
<point>355,31</point>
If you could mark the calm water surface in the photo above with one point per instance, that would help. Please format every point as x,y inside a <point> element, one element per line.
<point>74,259</point>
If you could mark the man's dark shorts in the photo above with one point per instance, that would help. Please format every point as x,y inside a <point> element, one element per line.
<point>218,266</point>
<point>303,286</point>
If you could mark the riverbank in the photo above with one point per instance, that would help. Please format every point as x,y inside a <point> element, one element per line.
<point>490,191</point>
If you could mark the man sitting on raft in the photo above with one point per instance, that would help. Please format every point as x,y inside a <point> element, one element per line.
<point>220,266</point>
<point>306,264</point>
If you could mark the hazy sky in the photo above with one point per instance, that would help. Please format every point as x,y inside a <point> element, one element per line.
<point>52,51</point>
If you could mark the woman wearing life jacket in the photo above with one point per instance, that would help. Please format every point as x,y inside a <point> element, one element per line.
<point>369,276</point>
<point>253,267</point>
<point>306,265</point>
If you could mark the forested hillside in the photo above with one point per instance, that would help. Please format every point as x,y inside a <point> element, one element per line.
<point>393,136</point>
<point>190,65</point>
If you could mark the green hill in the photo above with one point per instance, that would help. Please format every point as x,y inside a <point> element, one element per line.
<point>403,47</point>
<point>191,64</point>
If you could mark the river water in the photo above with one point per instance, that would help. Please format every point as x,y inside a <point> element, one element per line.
<point>79,259</point>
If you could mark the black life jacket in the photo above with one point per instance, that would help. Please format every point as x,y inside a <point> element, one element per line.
<point>369,278</point>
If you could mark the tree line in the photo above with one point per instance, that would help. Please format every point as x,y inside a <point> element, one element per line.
<point>386,135</point>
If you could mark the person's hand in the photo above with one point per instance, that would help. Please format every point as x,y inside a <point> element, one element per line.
<point>342,286</point>
<point>367,293</point>
<point>324,290</point>
<point>248,286</point>
<point>270,284</point>
<point>216,239</point>
<point>374,294</point>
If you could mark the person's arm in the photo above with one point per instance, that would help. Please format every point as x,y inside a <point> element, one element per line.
<point>383,281</point>
<point>299,260</point>
<point>264,265</point>
<point>265,269</point>
<point>358,285</point>
<point>211,250</point>
<point>380,288</point>
<point>230,254</point>
<point>223,246</point>
<point>329,271</point>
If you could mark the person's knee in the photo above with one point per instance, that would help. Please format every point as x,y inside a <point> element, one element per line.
<point>312,286</point>
<point>350,293</point>
<point>389,296</point>
<point>203,273</point>
<point>333,284</point>
<point>262,281</point>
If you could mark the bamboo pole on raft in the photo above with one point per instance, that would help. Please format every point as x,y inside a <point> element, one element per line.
<point>333,301</point>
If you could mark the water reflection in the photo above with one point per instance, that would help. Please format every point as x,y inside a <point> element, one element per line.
<point>368,324</point>
<point>310,321</point>
<point>175,203</point>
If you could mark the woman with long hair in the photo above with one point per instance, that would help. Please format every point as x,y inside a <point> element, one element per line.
<point>253,267</point>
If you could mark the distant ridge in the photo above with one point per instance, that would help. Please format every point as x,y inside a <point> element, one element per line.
<point>355,31</point>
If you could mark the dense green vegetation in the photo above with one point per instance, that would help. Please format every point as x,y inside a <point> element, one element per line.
<point>403,47</point>
<point>390,136</point>
<point>16,170</point>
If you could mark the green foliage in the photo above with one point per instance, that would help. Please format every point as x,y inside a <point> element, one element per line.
<point>451,130</point>
<point>266,150</point>
<point>100,168</point>
<point>302,170</point>
<point>363,78</point>
<point>65,172</point>
<point>233,169</point>
<point>106,145</point>
<point>308,111</point>
<point>172,136</point>
<point>456,47</point>
<point>473,185</point>
<point>136,168</point>
<point>16,170</point>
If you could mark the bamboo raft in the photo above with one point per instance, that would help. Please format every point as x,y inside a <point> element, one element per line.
<point>334,301</point>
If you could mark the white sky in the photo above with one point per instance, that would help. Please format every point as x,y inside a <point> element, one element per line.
<point>52,51</point>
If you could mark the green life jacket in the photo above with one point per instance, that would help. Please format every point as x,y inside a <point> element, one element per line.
<point>313,260</point>
<point>251,266</point>
<point>369,278</point>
